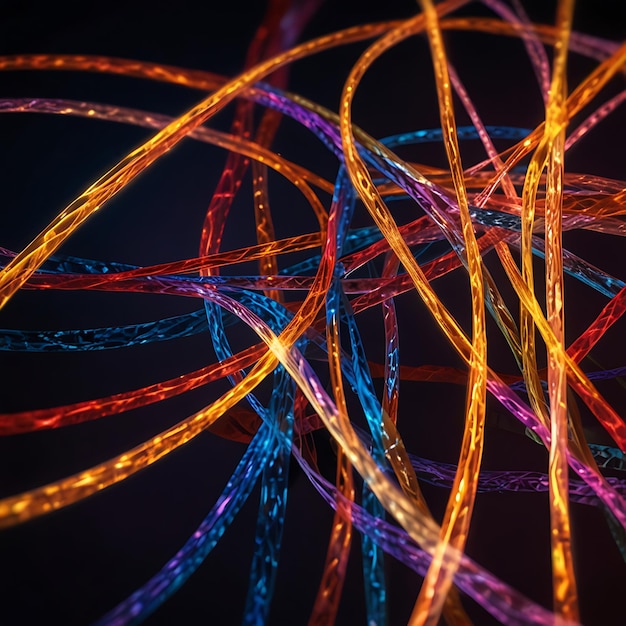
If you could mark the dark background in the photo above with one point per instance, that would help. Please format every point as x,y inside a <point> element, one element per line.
<point>74,565</point>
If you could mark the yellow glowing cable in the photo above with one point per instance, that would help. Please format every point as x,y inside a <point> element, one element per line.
<point>458,513</point>
<point>565,597</point>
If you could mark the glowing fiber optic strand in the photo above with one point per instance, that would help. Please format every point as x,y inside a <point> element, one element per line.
<point>373,557</point>
<point>341,534</point>
<point>550,152</point>
<point>457,516</point>
<point>331,584</point>
<point>165,329</point>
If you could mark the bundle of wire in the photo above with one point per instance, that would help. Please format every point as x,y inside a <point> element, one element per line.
<point>517,202</point>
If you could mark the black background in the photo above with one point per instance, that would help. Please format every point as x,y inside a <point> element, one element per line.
<point>72,566</point>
